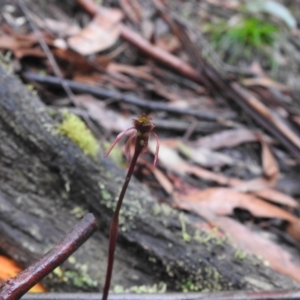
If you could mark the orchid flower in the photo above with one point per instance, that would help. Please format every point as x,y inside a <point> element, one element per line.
<point>142,129</point>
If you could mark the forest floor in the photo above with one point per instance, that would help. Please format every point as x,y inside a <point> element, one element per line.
<point>221,80</point>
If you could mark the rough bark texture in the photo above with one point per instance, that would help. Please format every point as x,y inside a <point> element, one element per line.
<point>46,182</point>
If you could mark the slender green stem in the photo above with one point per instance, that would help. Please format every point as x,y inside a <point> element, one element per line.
<point>113,234</point>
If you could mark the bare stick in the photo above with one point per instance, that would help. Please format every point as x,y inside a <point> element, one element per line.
<point>17,286</point>
<point>47,51</point>
<point>145,103</point>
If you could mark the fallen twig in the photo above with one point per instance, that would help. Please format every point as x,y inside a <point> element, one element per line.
<point>153,105</point>
<point>47,51</point>
<point>14,288</point>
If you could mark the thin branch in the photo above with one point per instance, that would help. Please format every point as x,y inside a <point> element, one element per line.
<point>16,287</point>
<point>153,105</point>
<point>47,51</point>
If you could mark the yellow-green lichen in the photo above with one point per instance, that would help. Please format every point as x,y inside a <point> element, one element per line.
<point>185,235</point>
<point>75,129</point>
<point>159,288</point>
<point>239,254</point>
<point>78,277</point>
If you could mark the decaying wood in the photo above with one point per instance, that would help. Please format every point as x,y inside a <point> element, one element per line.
<point>46,182</point>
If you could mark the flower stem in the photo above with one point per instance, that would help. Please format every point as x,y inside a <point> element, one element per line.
<point>113,234</point>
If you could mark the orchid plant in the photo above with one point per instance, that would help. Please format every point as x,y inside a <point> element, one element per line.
<point>142,128</point>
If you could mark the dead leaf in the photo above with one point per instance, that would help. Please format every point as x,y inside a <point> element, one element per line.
<point>172,160</point>
<point>140,72</point>
<point>13,43</point>
<point>227,139</point>
<point>10,269</point>
<point>278,259</point>
<point>222,201</point>
<point>76,61</point>
<point>107,118</point>
<point>268,194</point>
<point>169,43</point>
<point>160,177</point>
<point>232,4</point>
<point>270,166</point>
<point>265,112</point>
<point>100,34</point>
<point>264,82</point>
<point>60,28</point>
<point>169,157</point>
<point>293,229</point>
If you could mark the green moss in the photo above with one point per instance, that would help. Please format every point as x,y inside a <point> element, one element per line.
<point>189,286</point>
<point>78,277</point>
<point>78,212</point>
<point>162,208</point>
<point>210,237</point>
<point>239,254</point>
<point>185,236</point>
<point>75,129</point>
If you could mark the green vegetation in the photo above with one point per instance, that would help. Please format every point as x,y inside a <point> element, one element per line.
<point>189,286</point>
<point>243,39</point>
<point>75,129</point>
<point>185,235</point>
<point>159,288</point>
<point>79,277</point>
<point>239,254</point>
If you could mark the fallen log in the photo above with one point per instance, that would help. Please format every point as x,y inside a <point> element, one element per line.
<point>47,182</point>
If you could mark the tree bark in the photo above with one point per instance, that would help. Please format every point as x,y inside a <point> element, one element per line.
<point>46,183</point>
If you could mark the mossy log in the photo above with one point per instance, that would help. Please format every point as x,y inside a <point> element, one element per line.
<point>46,183</point>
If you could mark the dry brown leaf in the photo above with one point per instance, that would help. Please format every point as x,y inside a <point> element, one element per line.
<point>140,72</point>
<point>169,43</point>
<point>13,43</point>
<point>231,4</point>
<point>172,160</point>
<point>75,60</point>
<point>268,194</point>
<point>278,259</point>
<point>33,52</point>
<point>92,79</point>
<point>100,34</point>
<point>222,201</point>
<point>107,118</point>
<point>160,177</point>
<point>227,139</point>
<point>293,229</point>
<point>270,166</point>
<point>268,114</point>
<point>265,82</point>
